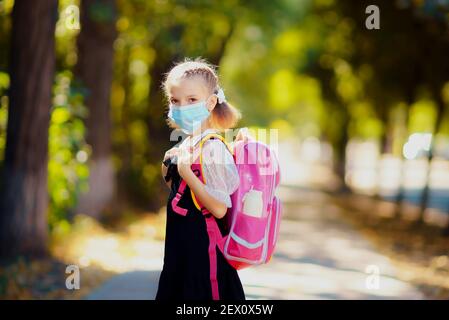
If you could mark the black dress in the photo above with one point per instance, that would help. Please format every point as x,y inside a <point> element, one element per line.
<point>185,275</point>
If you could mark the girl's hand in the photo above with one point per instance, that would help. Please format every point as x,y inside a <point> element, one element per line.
<point>171,153</point>
<point>243,134</point>
<point>185,160</point>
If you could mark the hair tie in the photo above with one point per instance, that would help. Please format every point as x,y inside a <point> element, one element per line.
<point>221,96</point>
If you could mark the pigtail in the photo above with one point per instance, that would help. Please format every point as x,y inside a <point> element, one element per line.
<point>224,116</point>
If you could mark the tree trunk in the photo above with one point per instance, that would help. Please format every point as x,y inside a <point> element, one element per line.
<point>340,150</point>
<point>94,72</point>
<point>386,146</point>
<point>410,99</point>
<point>24,196</point>
<point>439,120</point>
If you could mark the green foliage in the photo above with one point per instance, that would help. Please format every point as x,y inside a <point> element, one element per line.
<point>68,152</point>
<point>66,55</point>
<point>422,116</point>
<point>304,67</point>
<point>102,12</point>
<point>5,28</point>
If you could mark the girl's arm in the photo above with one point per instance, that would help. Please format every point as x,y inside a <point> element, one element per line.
<point>216,207</point>
<point>170,153</point>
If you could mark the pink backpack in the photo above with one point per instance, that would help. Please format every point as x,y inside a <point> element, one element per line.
<point>254,219</point>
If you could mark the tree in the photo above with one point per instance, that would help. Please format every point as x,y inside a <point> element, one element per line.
<point>23,196</point>
<point>94,73</point>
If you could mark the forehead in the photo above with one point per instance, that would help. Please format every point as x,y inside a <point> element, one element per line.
<point>188,86</point>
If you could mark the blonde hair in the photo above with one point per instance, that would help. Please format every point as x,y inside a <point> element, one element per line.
<point>224,115</point>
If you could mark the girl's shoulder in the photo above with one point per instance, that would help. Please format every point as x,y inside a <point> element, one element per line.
<point>216,151</point>
<point>207,133</point>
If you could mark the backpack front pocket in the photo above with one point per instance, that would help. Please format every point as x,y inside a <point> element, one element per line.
<point>247,238</point>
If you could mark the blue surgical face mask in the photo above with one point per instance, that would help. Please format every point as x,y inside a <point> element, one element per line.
<point>189,117</point>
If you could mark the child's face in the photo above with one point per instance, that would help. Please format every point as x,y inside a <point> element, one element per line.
<point>191,90</point>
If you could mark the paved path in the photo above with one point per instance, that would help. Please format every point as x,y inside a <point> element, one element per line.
<point>319,256</point>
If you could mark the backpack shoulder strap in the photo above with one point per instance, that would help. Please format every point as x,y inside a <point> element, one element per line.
<point>203,140</point>
<point>213,231</point>
<point>217,136</point>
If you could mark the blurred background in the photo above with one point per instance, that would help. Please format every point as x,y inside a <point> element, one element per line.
<point>362,117</point>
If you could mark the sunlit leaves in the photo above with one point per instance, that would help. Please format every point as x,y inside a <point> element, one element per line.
<point>282,89</point>
<point>4,81</point>
<point>290,42</point>
<point>138,133</point>
<point>299,97</point>
<point>60,116</point>
<point>67,168</point>
<point>422,116</point>
<point>364,124</point>
<point>122,24</point>
<point>286,129</point>
<point>348,86</point>
<point>324,3</point>
<point>339,41</point>
<point>117,99</point>
<point>65,36</point>
<point>298,47</point>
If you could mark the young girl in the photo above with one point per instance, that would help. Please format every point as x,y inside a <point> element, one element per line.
<point>197,106</point>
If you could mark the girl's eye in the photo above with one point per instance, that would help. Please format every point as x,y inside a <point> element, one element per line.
<point>191,100</point>
<point>173,101</point>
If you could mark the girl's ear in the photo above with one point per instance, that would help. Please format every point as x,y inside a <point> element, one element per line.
<point>212,102</point>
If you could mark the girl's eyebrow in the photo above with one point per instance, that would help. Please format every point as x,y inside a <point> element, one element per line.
<point>191,95</point>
